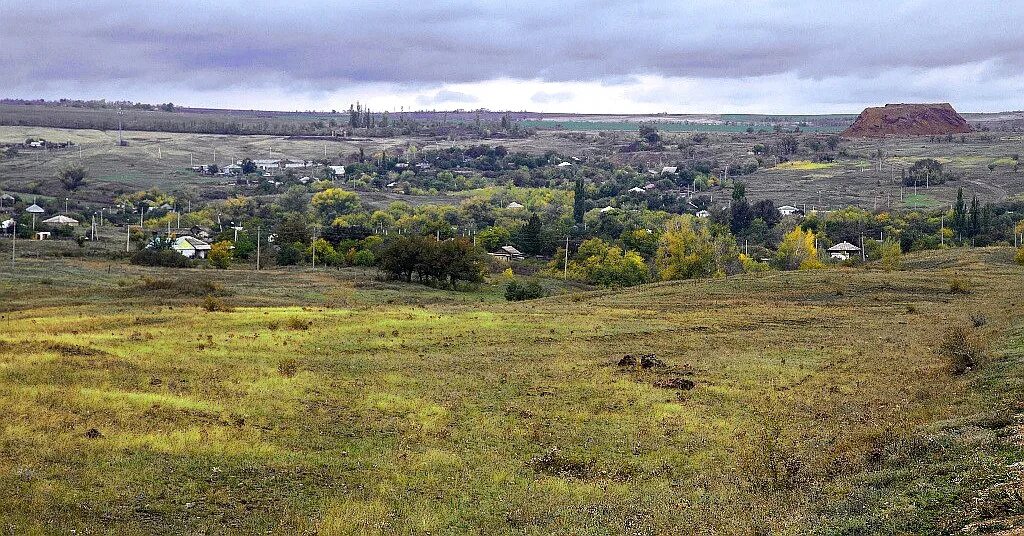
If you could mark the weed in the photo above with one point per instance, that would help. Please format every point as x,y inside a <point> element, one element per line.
<point>215,304</point>
<point>963,348</point>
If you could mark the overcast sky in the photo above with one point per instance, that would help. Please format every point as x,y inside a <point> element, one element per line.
<point>589,56</point>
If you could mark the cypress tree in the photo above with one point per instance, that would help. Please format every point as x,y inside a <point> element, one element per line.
<point>579,202</point>
<point>959,216</point>
<point>975,218</point>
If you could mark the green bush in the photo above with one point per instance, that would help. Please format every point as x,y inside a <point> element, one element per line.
<point>166,258</point>
<point>516,291</point>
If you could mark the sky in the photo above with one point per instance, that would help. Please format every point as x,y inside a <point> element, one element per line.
<point>581,56</point>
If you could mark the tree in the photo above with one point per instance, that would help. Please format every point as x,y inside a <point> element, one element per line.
<point>72,177</point>
<point>579,202</point>
<point>960,213</point>
<point>892,255</point>
<point>493,238</point>
<point>797,251</point>
<point>530,235</point>
<point>248,166</point>
<point>334,202</point>
<point>739,191</point>
<point>740,216</point>
<point>600,263</point>
<point>685,251</point>
<point>220,255</point>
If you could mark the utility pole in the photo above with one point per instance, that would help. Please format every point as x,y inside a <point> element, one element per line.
<point>14,239</point>
<point>565,265</point>
<point>942,229</point>
<point>258,231</point>
<point>863,255</point>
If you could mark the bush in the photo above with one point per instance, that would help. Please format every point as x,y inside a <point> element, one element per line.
<point>1019,257</point>
<point>892,255</point>
<point>516,291</point>
<point>161,257</point>
<point>214,304</point>
<point>289,255</point>
<point>959,286</point>
<point>220,255</point>
<point>364,257</point>
<point>964,349</point>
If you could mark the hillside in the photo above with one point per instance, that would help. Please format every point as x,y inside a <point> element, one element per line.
<point>908,120</point>
<point>818,404</point>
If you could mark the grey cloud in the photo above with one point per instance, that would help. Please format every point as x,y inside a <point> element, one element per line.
<point>319,45</point>
<point>446,96</point>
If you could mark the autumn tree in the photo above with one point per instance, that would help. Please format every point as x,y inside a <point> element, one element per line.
<point>72,177</point>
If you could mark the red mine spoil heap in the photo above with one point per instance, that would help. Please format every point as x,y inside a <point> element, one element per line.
<point>908,120</point>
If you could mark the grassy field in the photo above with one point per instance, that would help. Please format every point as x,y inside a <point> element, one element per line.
<point>332,403</point>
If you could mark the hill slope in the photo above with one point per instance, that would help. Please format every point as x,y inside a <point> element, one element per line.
<point>908,120</point>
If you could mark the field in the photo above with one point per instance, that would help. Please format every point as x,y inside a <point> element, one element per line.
<point>331,403</point>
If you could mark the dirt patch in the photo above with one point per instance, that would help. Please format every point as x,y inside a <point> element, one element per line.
<point>93,434</point>
<point>675,383</point>
<point>908,120</point>
<point>644,361</point>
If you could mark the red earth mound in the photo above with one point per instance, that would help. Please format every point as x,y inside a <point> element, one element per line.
<point>907,120</point>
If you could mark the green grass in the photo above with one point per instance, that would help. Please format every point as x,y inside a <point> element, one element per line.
<point>804,165</point>
<point>325,404</point>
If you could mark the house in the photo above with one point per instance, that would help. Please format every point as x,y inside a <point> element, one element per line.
<point>61,220</point>
<point>842,251</point>
<point>267,164</point>
<point>669,169</point>
<point>7,224</point>
<point>607,209</point>
<point>232,169</point>
<point>564,164</point>
<point>514,206</point>
<point>338,170</point>
<point>423,165</point>
<point>703,214</point>
<point>508,253</point>
<point>402,165</point>
<point>43,235</point>
<point>34,209</point>
<point>638,190</point>
<point>787,210</point>
<point>305,180</point>
<point>191,247</point>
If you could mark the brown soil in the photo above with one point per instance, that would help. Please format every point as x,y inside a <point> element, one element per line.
<point>908,120</point>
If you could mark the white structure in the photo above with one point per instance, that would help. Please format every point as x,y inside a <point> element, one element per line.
<point>191,247</point>
<point>669,169</point>
<point>703,214</point>
<point>508,253</point>
<point>43,235</point>
<point>607,209</point>
<point>514,206</point>
<point>61,220</point>
<point>231,169</point>
<point>787,210</point>
<point>338,170</point>
<point>7,224</point>
<point>638,190</point>
<point>649,186</point>
<point>564,164</point>
<point>842,251</point>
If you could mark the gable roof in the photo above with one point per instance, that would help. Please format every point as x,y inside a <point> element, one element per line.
<point>511,251</point>
<point>61,219</point>
<point>514,205</point>
<point>34,208</point>
<point>189,242</point>
<point>843,247</point>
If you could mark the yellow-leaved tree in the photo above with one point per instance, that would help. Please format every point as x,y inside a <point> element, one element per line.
<point>797,251</point>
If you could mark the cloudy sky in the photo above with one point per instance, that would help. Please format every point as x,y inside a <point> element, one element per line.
<point>594,56</point>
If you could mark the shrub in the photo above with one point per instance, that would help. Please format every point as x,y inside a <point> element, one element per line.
<point>298,323</point>
<point>1019,257</point>
<point>289,255</point>
<point>963,348</point>
<point>288,367</point>
<point>220,255</point>
<point>959,286</point>
<point>892,255</point>
<point>160,257</point>
<point>516,291</point>
<point>214,304</point>
<point>364,257</point>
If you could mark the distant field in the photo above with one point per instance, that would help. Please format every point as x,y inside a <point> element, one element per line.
<point>667,126</point>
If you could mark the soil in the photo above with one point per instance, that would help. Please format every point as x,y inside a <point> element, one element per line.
<point>908,120</point>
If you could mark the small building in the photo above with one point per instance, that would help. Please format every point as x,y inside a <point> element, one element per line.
<point>34,209</point>
<point>402,165</point>
<point>607,209</point>
<point>42,235</point>
<point>514,206</point>
<point>338,170</point>
<point>650,186</point>
<point>787,210</point>
<point>508,253</point>
<point>669,169</point>
<point>638,190</point>
<point>191,247</point>
<point>61,220</point>
<point>703,214</point>
<point>231,169</point>
<point>842,251</point>
<point>7,224</point>
<point>564,164</point>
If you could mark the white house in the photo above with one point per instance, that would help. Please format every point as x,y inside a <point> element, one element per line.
<point>191,247</point>
<point>669,169</point>
<point>842,251</point>
<point>703,214</point>
<point>513,205</point>
<point>7,224</point>
<point>638,190</point>
<point>563,164</point>
<point>61,220</point>
<point>338,170</point>
<point>787,210</point>
<point>231,169</point>
<point>607,209</point>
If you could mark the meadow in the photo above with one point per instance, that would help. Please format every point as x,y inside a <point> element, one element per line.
<point>329,402</point>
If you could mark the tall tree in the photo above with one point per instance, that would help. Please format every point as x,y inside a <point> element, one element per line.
<point>959,213</point>
<point>72,177</point>
<point>579,202</point>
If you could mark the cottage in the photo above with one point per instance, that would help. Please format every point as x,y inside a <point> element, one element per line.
<point>842,251</point>
<point>787,210</point>
<point>191,247</point>
<point>514,206</point>
<point>61,220</point>
<point>508,253</point>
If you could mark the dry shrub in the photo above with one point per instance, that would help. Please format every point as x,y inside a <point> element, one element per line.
<point>554,462</point>
<point>273,325</point>
<point>959,286</point>
<point>288,367</point>
<point>978,319</point>
<point>214,304</point>
<point>299,324</point>
<point>963,348</point>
